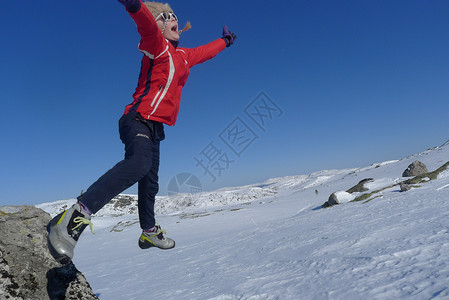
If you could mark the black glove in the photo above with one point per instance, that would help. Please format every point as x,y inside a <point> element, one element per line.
<point>131,5</point>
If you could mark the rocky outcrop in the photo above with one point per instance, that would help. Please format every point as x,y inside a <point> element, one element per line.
<point>27,270</point>
<point>415,169</point>
<point>360,187</point>
<point>363,193</point>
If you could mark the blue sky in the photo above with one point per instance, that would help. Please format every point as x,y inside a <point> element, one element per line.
<point>345,84</point>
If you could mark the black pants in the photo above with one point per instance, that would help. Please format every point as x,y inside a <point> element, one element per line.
<point>141,164</point>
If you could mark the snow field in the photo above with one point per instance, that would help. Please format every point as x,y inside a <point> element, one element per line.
<point>283,245</point>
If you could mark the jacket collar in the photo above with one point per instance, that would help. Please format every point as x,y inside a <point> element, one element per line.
<point>174,43</point>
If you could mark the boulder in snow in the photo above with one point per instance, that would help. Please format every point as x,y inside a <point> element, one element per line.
<point>415,169</point>
<point>404,187</point>
<point>339,197</point>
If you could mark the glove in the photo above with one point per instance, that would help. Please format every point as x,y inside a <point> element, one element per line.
<point>228,36</point>
<point>131,5</point>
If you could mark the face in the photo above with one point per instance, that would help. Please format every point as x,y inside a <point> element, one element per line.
<point>171,31</point>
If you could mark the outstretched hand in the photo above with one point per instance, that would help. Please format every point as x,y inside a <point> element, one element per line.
<point>228,36</point>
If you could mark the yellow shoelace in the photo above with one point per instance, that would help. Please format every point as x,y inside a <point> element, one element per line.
<point>80,221</point>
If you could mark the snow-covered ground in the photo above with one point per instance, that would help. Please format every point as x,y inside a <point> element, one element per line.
<point>274,241</point>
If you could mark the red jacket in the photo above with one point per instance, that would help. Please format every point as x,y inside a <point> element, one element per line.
<point>164,70</point>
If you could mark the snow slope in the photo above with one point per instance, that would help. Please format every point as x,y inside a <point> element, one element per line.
<point>274,241</point>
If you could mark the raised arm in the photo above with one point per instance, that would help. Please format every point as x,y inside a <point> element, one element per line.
<point>152,41</point>
<point>203,53</point>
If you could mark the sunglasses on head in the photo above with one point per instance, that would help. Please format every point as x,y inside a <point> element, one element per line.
<point>167,16</point>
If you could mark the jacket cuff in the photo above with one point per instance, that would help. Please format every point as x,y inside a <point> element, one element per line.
<point>227,41</point>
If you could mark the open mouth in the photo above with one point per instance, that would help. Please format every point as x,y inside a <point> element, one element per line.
<point>174,28</point>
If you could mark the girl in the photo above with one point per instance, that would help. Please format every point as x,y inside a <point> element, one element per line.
<point>164,71</point>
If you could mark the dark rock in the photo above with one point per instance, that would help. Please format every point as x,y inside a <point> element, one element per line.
<point>415,169</point>
<point>359,187</point>
<point>404,187</point>
<point>333,200</point>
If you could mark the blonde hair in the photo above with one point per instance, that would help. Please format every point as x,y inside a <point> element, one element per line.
<point>156,8</point>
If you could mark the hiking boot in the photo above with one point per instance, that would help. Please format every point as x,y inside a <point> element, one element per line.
<point>155,239</point>
<point>64,231</point>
